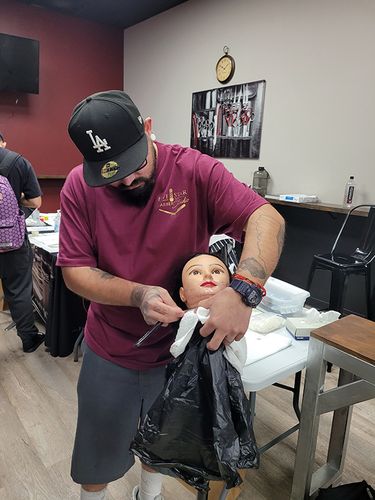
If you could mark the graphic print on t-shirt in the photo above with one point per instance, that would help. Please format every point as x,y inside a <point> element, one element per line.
<point>173,202</point>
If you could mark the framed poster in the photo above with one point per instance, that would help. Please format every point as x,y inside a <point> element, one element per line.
<point>227,122</point>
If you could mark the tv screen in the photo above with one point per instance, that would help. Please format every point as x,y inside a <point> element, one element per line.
<point>19,64</point>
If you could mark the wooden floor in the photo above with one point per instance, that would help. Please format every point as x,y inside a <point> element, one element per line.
<point>37,423</point>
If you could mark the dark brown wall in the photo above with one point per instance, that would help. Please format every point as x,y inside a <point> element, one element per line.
<point>77,58</point>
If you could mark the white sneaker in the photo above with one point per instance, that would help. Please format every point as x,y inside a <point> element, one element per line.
<point>135,495</point>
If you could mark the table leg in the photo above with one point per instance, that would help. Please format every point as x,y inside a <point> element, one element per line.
<point>309,424</point>
<point>340,428</point>
<point>252,401</point>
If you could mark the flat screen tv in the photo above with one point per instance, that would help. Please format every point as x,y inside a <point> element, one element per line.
<point>19,64</point>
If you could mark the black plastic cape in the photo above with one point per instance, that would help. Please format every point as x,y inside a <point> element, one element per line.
<point>199,429</point>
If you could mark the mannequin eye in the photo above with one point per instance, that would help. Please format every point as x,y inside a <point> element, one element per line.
<point>195,272</point>
<point>218,271</point>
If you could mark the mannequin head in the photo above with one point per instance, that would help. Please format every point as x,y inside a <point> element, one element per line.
<point>202,276</point>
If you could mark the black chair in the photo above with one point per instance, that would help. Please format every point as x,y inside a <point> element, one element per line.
<point>342,265</point>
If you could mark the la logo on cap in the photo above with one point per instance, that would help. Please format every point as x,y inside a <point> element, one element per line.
<point>99,144</point>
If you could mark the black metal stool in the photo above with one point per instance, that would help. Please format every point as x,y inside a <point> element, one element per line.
<point>343,265</point>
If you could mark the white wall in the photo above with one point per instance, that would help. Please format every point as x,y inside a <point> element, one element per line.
<point>318,59</point>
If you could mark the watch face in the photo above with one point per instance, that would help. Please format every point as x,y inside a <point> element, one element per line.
<point>251,295</point>
<point>225,69</point>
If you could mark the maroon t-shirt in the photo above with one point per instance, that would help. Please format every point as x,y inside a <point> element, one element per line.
<point>193,198</point>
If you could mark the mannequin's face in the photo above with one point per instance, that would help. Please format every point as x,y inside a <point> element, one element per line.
<point>202,277</point>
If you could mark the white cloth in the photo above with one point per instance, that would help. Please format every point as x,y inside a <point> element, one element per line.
<point>261,346</point>
<point>266,323</point>
<point>235,353</point>
<point>252,347</point>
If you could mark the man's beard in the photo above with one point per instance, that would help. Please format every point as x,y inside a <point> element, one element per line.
<point>139,196</point>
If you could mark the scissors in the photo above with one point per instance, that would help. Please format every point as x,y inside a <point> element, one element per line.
<point>231,116</point>
<point>147,334</point>
<point>246,115</point>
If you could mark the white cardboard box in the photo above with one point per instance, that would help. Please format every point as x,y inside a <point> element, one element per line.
<point>299,198</point>
<point>300,328</point>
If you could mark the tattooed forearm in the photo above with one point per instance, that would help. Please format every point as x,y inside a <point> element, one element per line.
<point>263,243</point>
<point>142,295</point>
<point>254,267</point>
<point>103,274</point>
<point>280,238</point>
<point>137,295</point>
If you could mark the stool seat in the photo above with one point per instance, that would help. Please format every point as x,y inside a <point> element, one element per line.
<point>343,265</point>
<point>340,260</point>
<point>351,334</point>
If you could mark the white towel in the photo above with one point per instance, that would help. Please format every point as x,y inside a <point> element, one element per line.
<point>235,353</point>
<point>261,346</point>
<point>252,347</point>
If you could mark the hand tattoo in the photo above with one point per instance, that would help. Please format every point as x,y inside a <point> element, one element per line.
<point>139,299</point>
<point>137,295</point>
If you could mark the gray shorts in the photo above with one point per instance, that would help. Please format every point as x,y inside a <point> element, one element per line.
<point>111,401</point>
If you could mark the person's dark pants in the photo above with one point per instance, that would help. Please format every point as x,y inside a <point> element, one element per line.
<point>15,273</point>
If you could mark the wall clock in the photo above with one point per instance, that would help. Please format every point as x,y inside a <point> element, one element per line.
<point>225,67</point>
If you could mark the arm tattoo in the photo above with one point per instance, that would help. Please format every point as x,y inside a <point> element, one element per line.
<point>257,266</point>
<point>280,238</point>
<point>254,267</point>
<point>103,274</point>
<point>137,295</point>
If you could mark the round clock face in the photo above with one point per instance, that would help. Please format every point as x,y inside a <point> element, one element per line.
<point>225,69</point>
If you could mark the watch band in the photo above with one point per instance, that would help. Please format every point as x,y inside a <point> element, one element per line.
<point>250,293</point>
<point>243,278</point>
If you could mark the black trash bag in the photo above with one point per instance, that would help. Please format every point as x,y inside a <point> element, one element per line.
<point>199,428</point>
<point>351,491</point>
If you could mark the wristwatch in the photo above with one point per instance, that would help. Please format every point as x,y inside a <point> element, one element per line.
<point>251,294</point>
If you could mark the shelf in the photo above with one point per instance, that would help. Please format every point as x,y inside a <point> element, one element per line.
<point>324,207</point>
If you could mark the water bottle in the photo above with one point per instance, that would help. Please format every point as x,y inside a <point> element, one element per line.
<point>349,192</point>
<point>56,225</point>
<point>260,181</point>
<point>35,217</point>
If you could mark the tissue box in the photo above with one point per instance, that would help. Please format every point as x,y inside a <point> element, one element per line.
<point>299,198</point>
<point>283,298</point>
<point>301,327</point>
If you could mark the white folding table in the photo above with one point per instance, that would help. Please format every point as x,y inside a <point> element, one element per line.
<point>271,371</point>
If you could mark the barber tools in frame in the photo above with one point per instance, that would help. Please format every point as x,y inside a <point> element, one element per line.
<point>227,121</point>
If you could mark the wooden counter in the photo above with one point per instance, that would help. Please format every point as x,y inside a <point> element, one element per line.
<point>324,207</point>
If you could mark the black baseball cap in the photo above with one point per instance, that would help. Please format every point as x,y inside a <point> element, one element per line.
<point>108,130</point>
